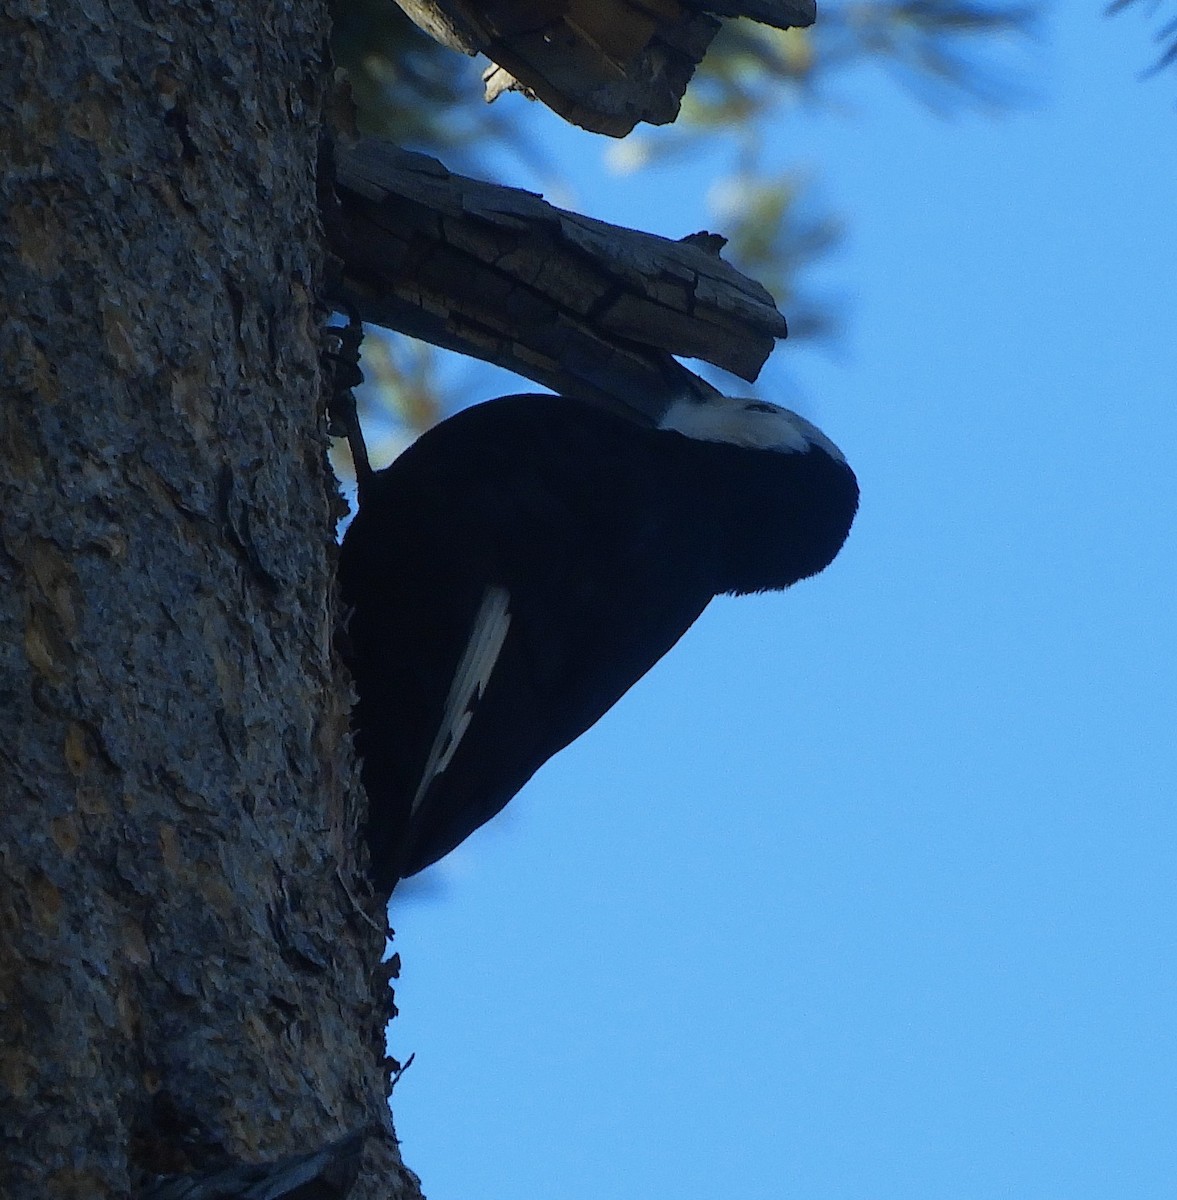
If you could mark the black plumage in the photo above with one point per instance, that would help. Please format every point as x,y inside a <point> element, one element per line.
<point>525,562</point>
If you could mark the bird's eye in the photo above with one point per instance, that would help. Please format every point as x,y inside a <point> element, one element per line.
<point>758,406</point>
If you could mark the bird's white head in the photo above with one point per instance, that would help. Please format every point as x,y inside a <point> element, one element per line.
<point>741,421</point>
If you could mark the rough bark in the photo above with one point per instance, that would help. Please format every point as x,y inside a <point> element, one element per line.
<point>583,307</point>
<point>185,981</point>
<point>602,64</point>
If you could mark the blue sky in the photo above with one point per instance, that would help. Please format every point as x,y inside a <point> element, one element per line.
<point>868,891</point>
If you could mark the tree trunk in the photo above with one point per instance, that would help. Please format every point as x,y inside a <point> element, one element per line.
<point>186,977</point>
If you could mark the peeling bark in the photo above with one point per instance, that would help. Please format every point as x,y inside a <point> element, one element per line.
<point>326,1174</point>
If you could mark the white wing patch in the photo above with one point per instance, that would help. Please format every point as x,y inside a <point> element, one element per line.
<point>470,679</point>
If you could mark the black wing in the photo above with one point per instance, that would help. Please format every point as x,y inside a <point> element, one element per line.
<point>547,550</point>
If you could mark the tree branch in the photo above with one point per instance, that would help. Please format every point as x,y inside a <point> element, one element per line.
<point>602,64</point>
<point>583,307</point>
